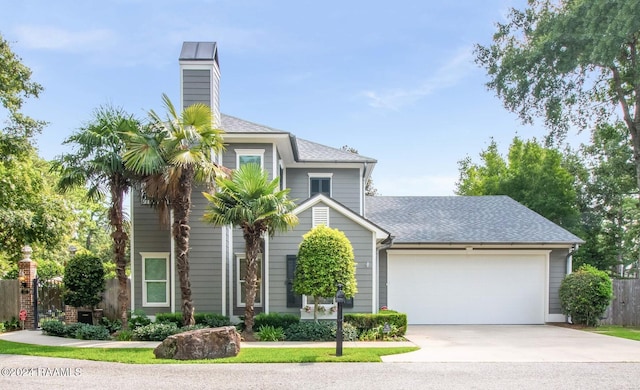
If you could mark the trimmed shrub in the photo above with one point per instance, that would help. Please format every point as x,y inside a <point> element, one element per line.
<point>310,331</point>
<point>137,319</point>
<point>92,332</point>
<point>83,281</point>
<point>112,326</point>
<point>585,295</point>
<point>275,320</point>
<point>270,333</point>
<point>71,329</point>
<point>213,320</point>
<point>155,331</point>
<point>53,328</point>
<point>366,321</point>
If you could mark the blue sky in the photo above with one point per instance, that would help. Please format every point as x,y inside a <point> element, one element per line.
<point>395,80</point>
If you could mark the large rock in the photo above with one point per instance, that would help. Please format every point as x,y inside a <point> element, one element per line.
<point>209,343</point>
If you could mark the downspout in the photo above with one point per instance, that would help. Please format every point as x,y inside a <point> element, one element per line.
<point>569,259</point>
<point>385,244</point>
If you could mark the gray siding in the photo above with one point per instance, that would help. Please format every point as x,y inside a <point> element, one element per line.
<point>205,259</point>
<point>196,87</point>
<point>150,236</point>
<point>557,272</point>
<point>345,185</point>
<point>287,244</point>
<point>382,278</point>
<point>205,256</point>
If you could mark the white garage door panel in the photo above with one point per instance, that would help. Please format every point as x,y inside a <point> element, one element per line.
<point>468,289</point>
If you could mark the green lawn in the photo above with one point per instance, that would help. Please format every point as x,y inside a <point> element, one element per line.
<point>632,333</point>
<point>247,355</point>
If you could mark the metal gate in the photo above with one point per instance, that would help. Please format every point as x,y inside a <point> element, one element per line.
<point>48,299</point>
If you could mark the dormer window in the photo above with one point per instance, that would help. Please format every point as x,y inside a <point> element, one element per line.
<point>249,156</point>
<point>320,183</point>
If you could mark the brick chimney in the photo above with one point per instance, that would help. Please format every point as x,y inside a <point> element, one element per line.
<point>200,76</point>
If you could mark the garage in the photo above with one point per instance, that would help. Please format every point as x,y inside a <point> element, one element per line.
<point>469,286</point>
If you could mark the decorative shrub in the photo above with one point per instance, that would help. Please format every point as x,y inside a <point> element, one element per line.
<point>112,326</point>
<point>83,281</point>
<point>155,331</point>
<point>137,319</point>
<point>213,320</point>
<point>585,295</point>
<point>378,333</point>
<point>366,321</point>
<point>92,332</point>
<point>275,320</point>
<point>270,333</point>
<point>310,331</point>
<point>123,335</point>
<point>53,328</point>
<point>71,329</point>
<point>349,332</point>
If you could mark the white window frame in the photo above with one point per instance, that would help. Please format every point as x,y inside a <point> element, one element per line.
<point>322,176</point>
<point>249,153</point>
<point>155,255</point>
<point>240,281</point>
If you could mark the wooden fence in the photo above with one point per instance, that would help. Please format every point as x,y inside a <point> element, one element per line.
<point>109,303</point>
<point>9,299</point>
<point>625,308</point>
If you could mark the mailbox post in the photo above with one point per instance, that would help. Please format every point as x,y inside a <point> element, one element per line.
<point>339,300</point>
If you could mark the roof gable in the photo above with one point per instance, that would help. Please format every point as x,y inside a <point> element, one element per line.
<point>463,219</point>
<point>381,234</point>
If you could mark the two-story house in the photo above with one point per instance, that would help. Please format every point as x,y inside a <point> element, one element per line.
<point>441,260</point>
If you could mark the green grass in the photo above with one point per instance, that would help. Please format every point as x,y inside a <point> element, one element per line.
<point>632,333</point>
<point>246,355</point>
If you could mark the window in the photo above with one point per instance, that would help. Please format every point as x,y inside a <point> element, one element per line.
<point>249,156</point>
<point>241,266</point>
<point>155,279</point>
<point>320,184</point>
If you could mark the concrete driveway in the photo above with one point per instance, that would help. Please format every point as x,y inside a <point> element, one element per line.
<point>514,343</point>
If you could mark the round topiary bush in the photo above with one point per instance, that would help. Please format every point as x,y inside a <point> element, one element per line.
<point>585,295</point>
<point>83,281</point>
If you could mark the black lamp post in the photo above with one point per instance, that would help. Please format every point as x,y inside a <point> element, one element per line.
<point>339,300</point>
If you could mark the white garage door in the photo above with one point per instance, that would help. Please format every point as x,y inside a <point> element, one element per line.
<point>468,288</point>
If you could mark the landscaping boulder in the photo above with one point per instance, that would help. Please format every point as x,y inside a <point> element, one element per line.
<point>209,343</point>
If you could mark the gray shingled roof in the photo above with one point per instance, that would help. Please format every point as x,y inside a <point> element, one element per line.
<point>463,219</point>
<point>307,151</point>
<point>311,151</point>
<point>231,124</point>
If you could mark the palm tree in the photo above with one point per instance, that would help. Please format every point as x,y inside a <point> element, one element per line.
<point>172,155</point>
<point>250,201</point>
<point>97,163</point>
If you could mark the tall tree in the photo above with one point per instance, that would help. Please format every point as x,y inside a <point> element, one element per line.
<point>610,201</point>
<point>570,61</point>
<point>97,163</point>
<point>173,155</point>
<point>532,174</point>
<point>15,86</point>
<point>325,259</point>
<point>250,201</point>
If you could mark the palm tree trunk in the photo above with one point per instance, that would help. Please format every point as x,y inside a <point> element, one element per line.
<point>120,240</point>
<point>253,241</point>
<point>181,206</point>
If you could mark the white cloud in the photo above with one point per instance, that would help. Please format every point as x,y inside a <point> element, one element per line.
<point>415,185</point>
<point>449,74</point>
<point>58,39</point>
